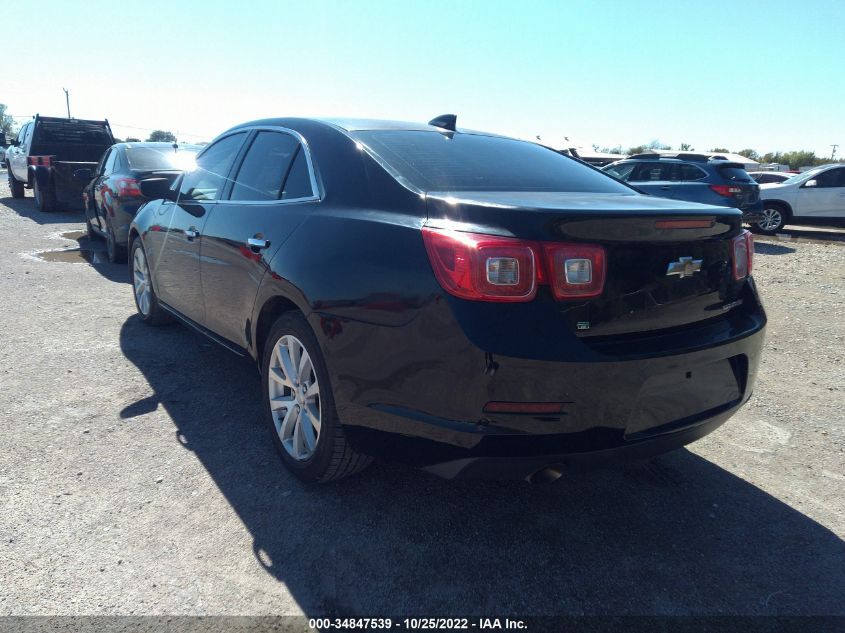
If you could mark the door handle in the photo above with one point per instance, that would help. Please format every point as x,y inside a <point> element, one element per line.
<point>191,233</point>
<point>257,243</point>
<point>666,187</point>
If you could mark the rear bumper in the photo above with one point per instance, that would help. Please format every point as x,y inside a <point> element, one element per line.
<point>752,213</point>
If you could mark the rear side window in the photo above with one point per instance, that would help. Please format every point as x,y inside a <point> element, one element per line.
<point>689,172</point>
<point>265,167</point>
<point>207,180</point>
<point>736,174</point>
<point>434,161</point>
<point>298,182</point>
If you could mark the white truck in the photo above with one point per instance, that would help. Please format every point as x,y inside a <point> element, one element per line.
<point>814,197</point>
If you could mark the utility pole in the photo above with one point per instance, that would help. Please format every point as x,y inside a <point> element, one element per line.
<point>833,153</point>
<point>67,100</point>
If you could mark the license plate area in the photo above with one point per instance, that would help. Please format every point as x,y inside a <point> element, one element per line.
<point>680,397</point>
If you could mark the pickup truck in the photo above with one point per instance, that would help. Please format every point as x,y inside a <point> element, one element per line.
<point>47,152</point>
<point>813,197</point>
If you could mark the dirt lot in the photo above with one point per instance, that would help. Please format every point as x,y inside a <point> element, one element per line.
<point>136,478</point>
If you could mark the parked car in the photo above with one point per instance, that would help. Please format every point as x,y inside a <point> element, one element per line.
<point>814,197</point>
<point>112,195</point>
<point>693,177</point>
<point>767,177</point>
<point>464,302</point>
<point>46,154</point>
<point>3,145</point>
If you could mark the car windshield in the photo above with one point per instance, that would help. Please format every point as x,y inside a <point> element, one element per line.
<point>150,158</point>
<point>435,161</point>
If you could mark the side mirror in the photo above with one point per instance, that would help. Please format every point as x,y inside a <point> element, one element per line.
<point>812,183</point>
<point>83,175</point>
<point>157,189</point>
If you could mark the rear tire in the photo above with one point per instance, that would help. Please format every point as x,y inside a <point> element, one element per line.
<point>116,252</point>
<point>775,217</point>
<point>302,418</point>
<point>146,300</point>
<point>45,200</point>
<point>15,185</point>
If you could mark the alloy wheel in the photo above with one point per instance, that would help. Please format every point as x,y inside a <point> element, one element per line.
<point>141,281</point>
<point>772,219</point>
<point>294,398</point>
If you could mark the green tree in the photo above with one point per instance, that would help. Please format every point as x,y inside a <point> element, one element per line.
<point>132,139</point>
<point>749,153</point>
<point>7,123</point>
<point>686,147</point>
<point>721,150</point>
<point>162,136</point>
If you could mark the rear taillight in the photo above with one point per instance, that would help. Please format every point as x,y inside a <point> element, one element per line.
<point>492,268</point>
<point>128,188</point>
<point>743,255</point>
<point>576,271</point>
<point>482,267</point>
<point>726,190</point>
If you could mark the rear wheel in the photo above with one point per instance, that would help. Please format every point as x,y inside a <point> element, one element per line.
<point>15,185</point>
<point>116,252</point>
<point>299,405</point>
<point>773,220</point>
<point>145,297</point>
<point>45,199</point>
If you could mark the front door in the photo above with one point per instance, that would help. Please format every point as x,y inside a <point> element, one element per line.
<point>272,193</point>
<point>825,200</point>
<point>175,264</point>
<point>655,178</point>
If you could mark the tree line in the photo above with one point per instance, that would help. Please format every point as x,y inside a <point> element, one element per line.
<point>795,159</point>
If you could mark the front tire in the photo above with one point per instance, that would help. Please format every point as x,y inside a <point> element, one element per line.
<point>45,200</point>
<point>15,185</point>
<point>146,300</point>
<point>299,405</point>
<point>773,220</point>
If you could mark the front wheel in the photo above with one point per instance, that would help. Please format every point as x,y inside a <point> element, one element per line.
<point>773,220</point>
<point>15,185</point>
<point>45,200</point>
<point>146,299</point>
<point>299,405</point>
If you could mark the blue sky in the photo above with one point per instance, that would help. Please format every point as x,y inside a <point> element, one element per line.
<point>766,75</point>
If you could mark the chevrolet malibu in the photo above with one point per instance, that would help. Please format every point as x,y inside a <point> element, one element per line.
<point>468,303</point>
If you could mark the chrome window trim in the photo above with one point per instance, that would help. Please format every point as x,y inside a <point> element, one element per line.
<point>316,194</point>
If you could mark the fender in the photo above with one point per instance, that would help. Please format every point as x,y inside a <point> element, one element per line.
<point>780,202</point>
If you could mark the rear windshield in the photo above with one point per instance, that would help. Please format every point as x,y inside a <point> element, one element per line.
<point>434,161</point>
<point>737,174</point>
<point>151,158</point>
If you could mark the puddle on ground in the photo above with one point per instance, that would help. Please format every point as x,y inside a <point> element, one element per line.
<point>74,256</point>
<point>85,254</point>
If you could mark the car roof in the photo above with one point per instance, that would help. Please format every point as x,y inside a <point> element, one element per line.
<point>347,125</point>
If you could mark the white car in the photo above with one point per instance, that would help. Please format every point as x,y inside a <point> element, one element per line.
<point>816,196</point>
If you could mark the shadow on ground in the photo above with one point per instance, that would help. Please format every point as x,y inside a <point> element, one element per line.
<point>25,207</point>
<point>677,535</point>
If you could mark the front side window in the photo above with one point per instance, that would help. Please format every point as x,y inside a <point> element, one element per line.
<point>265,167</point>
<point>207,180</point>
<point>831,178</point>
<point>434,161</point>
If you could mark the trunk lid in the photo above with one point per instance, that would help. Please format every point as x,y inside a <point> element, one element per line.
<point>669,263</point>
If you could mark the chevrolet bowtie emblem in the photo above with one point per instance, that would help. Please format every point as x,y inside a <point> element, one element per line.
<point>684,267</point>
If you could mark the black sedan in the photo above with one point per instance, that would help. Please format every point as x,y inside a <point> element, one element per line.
<point>468,303</point>
<point>113,195</point>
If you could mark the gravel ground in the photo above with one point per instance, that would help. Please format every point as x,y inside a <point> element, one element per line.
<point>137,478</point>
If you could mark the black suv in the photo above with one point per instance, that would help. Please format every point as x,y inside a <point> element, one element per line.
<point>692,177</point>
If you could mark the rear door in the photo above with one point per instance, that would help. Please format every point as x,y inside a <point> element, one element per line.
<point>273,191</point>
<point>656,178</point>
<point>689,183</point>
<point>826,199</point>
<point>177,267</point>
